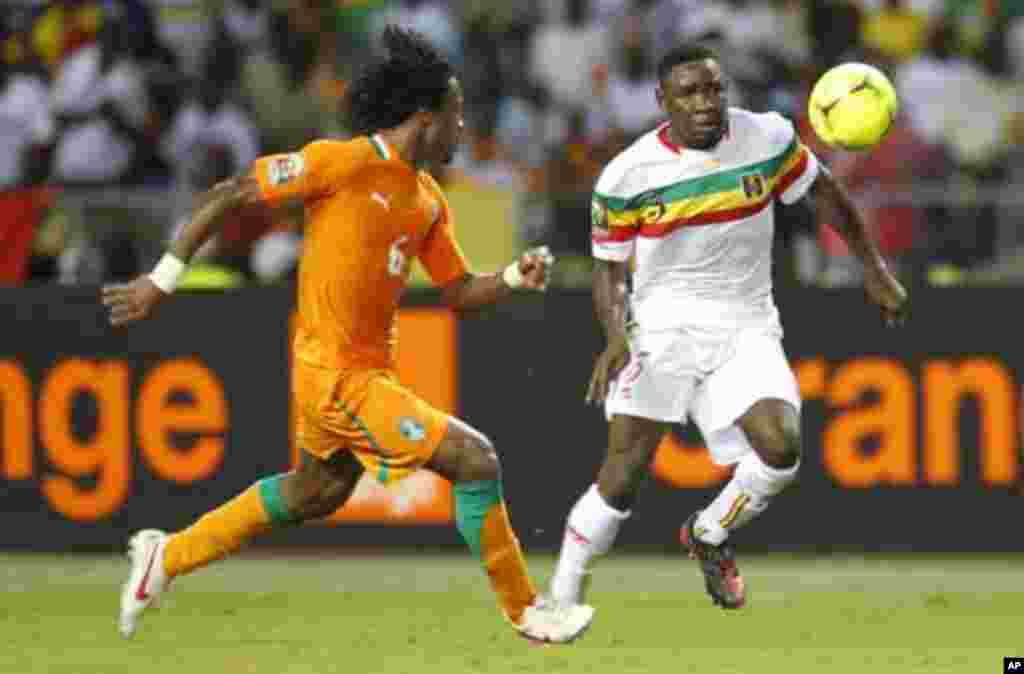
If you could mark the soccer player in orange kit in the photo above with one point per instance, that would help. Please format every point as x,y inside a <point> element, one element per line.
<point>370,211</point>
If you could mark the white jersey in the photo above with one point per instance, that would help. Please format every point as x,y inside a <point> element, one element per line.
<point>699,224</point>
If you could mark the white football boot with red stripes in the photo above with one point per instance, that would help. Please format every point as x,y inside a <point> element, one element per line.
<point>147,579</point>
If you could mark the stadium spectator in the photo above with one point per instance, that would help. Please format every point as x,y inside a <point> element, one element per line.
<point>101,105</point>
<point>564,56</point>
<point>282,83</point>
<point>27,130</point>
<point>247,23</point>
<point>186,27</point>
<point>624,106</point>
<point>435,20</point>
<point>896,31</point>
<point>880,184</point>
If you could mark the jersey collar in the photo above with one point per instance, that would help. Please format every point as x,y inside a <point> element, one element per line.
<point>381,146</point>
<point>666,139</point>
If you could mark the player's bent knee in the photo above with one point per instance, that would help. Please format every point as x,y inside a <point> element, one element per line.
<point>316,489</point>
<point>465,455</point>
<point>778,447</point>
<point>481,460</point>
<point>793,447</point>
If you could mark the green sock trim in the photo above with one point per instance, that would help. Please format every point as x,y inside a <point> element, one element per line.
<point>473,500</point>
<point>270,493</point>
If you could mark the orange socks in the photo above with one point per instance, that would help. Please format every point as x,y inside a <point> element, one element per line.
<point>224,530</point>
<point>482,519</point>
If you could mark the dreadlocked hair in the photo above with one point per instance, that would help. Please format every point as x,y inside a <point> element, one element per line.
<point>413,77</point>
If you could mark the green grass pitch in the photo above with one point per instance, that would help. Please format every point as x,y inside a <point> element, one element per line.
<point>431,614</point>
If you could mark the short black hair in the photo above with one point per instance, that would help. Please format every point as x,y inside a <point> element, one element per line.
<point>684,53</point>
<point>414,76</point>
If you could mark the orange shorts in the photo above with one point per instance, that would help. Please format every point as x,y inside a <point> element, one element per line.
<point>389,429</point>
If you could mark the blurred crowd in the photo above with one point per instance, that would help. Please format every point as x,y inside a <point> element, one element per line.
<point>116,114</point>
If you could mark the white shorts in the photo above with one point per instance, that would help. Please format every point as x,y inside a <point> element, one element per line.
<point>673,376</point>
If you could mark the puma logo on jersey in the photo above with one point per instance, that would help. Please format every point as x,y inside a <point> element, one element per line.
<point>381,199</point>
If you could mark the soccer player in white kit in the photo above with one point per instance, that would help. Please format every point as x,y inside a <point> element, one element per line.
<point>691,206</point>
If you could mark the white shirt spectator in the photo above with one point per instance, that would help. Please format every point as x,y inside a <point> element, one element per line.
<point>249,27</point>
<point>924,85</point>
<point>629,105</point>
<point>665,21</point>
<point>929,8</point>
<point>186,28</point>
<point>970,123</point>
<point>1015,45</point>
<point>434,20</point>
<point>563,58</point>
<point>228,125</point>
<point>25,121</point>
<point>599,11</point>
<point>607,11</point>
<point>749,27</point>
<point>91,150</point>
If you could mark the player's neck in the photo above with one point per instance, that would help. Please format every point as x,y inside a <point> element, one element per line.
<point>678,144</point>
<point>401,143</point>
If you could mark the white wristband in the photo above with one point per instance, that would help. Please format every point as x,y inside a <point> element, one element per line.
<point>512,276</point>
<point>167,272</point>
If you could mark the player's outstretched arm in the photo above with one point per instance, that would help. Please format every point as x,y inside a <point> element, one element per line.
<point>472,291</point>
<point>133,301</point>
<point>610,299</point>
<point>834,206</point>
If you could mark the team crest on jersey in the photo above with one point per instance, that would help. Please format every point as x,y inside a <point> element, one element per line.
<point>285,169</point>
<point>753,185</point>
<point>411,429</point>
<point>651,206</point>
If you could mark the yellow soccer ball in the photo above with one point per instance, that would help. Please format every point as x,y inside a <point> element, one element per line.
<point>852,106</point>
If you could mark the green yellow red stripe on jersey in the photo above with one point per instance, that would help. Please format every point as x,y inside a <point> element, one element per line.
<point>719,197</point>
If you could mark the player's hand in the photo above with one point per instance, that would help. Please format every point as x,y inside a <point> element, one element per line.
<point>132,301</point>
<point>608,365</point>
<point>534,265</point>
<point>887,292</point>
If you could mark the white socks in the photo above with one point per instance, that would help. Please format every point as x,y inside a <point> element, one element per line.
<point>745,497</point>
<point>590,531</point>
<point>593,524</point>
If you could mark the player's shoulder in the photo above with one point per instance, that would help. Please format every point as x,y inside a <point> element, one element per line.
<point>361,166</point>
<point>430,182</point>
<point>765,129</point>
<point>623,176</point>
<point>351,150</point>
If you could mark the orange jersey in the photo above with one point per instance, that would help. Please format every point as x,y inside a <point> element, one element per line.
<point>368,216</point>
